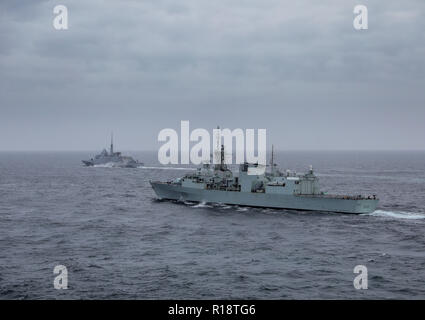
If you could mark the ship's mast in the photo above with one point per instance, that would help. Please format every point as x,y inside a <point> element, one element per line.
<point>219,159</point>
<point>112,143</point>
<point>217,143</point>
<point>218,138</point>
<point>272,161</point>
<point>222,165</point>
<point>217,149</point>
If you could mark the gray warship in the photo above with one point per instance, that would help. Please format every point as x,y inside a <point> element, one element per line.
<point>113,159</point>
<point>260,188</point>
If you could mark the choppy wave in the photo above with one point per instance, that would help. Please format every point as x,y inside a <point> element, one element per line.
<point>397,214</point>
<point>110,221</point>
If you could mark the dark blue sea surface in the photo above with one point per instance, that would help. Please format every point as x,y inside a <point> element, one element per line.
<point>118,242</point>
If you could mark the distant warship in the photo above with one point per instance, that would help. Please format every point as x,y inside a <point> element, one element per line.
<point>258,188</point>
<point>114,159</point>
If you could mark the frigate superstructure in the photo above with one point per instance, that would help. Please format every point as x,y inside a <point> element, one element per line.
<point>256,187</point>
<point>113,159</point>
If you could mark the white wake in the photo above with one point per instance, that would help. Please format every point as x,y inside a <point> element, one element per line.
<point>397,214</point>
<point>202,204</point>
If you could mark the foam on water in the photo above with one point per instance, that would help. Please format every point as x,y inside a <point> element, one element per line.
<point>397,214</point>
<point>202,204</point>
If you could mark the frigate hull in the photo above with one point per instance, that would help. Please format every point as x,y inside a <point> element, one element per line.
<point>113,162</point>
<point>296,202</point>
<point>112,159</point>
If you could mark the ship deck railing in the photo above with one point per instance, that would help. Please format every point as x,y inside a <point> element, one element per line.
<point>339,196</point>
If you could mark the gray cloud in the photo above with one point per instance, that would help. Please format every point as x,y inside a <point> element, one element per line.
<point>297,68</point>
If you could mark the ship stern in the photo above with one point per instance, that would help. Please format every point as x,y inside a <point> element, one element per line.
<point>366,205</point>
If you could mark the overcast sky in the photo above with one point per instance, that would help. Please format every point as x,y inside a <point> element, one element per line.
<point>296,68</point>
